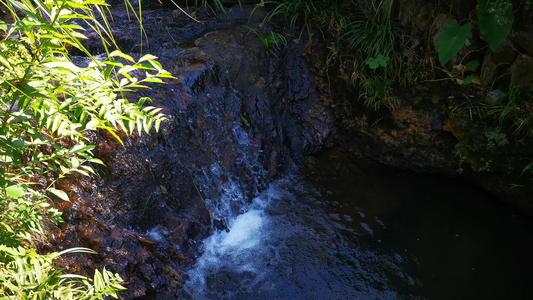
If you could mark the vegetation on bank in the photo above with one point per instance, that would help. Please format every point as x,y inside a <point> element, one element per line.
<point>48,105</point>
<point>378,55</point>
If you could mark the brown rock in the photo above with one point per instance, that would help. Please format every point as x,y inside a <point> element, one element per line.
<point>524,41</point>
<point>523,68</point>
<point>424,18</point>
<point>439,24</point>
<point>504,55</point>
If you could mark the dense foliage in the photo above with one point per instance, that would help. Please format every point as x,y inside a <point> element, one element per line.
<point>389,49</point>
<point>47,105</point>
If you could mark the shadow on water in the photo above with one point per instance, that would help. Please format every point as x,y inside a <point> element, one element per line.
<point>351,229</point>
<point>465,244</point>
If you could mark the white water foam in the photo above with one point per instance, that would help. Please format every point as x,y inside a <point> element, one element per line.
<point>237,249</point>
<point>245,232</point>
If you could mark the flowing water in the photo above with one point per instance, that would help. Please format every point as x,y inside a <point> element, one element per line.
<point>342,228</point>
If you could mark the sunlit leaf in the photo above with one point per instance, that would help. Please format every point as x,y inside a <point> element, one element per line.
<point>118,53</point>
<point>59,193</point>
<point>147,57</point>
<point>3,25</point>
<point>5,62</point>
<point>14,191</point>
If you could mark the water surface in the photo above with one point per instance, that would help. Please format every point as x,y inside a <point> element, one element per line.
<point>344,228</point>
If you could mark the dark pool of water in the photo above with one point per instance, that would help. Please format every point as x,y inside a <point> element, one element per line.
<point>458,241</point>
<point>344,228</point>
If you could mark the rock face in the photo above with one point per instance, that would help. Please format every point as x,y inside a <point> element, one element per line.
<point>234,110</point>
<point>514,55</point>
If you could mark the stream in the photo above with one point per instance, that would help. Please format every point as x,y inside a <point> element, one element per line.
<point>214,206</point>
<point>344,228</point>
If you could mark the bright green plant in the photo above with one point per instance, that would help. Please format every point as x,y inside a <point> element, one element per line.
<point>376,94</point>
<point>271,40</point>
<point>516,108</point>
<point>373,33</point>
<point>495,20</point>
<point>452,40</point>
<point>27,275</point>
<point>298,12</point>
<point>374,63</point>
<point>47,105</point>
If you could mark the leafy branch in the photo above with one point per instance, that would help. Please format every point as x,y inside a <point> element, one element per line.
<point>47,105</point>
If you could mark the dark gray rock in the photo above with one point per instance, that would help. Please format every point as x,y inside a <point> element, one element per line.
<point>523,41</point>
<point>497,61</point>
<point>523,72</point>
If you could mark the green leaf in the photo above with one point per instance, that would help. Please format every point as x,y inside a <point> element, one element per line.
<point>14,191</point>
<point>468,80</point>
<point>156,80</point>
<point>92,124</point>
<point>5,62</point>
<point>472,65</point>
<point>59,193</point>
<point>65,65</point>
<point>113,62</point>
<point>147,57</point>
<point>245,121</point>
<point>495,21</point>
<point>452,40</point>
<point>456,72</point>
<point>107,72</point>
<point>81,148</point>
<point>3,25</point>
<point>18,143</point>
<point>156,65</point>
<point>122,55</point>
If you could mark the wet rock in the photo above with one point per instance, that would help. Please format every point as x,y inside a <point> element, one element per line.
<point>233,2</point>
<point>437,123</point>
<point>220,225</point>
<point>523,72</point>
<point>524,41</point>
<point>497,61</point>
<point>439,24</point>
<point>408,11</point>
<point>424,19</point>
<point>460,9</point>
<point>495,96</point>
<point>147,210</point>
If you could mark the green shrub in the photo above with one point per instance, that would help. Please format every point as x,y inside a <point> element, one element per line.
<point>299,12</point>
<point>516,109</point>
<point>376,94</point>
<point>47,105</point>
<point>373,33</point>
<point>367,38</point>
<point>495,20</point>
<point>271,40</point>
